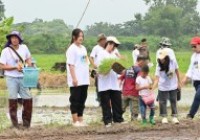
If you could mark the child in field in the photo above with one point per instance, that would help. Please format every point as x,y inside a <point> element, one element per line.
<point>129,92</point>
<point>143,85</point>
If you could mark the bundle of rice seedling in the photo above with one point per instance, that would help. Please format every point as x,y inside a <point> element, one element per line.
<point>118,65</point>
<point>105,66</point>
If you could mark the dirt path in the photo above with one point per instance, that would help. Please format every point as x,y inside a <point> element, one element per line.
<point>187,130</point>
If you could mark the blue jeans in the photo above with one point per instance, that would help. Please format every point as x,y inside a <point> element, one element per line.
<point>15,88</point>
<point>143,108</point>
<point>196,102</point>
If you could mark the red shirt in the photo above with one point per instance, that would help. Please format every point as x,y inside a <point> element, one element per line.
<point>129,78</point>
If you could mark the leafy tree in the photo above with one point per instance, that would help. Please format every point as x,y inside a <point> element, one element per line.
<point>5,28</point>
<point>172,17</point>
<point>2,10</point>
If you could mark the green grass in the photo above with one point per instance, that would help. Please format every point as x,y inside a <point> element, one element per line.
<point>183,59</point>
<point>45,61</point>
<point>4,119</point>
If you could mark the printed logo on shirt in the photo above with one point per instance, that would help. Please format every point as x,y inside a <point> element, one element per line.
<point>170,74</point>
<point>196,65</point>
<point>84,59</point>
<point>130,73</point>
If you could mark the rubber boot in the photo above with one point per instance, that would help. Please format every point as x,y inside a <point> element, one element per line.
<point>144,122</point>
<point>27,112</point>
<point>13,112</point>
<point>151,120</point>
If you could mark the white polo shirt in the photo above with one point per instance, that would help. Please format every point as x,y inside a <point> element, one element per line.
<point>194,68</point>
<point>109,81</point>
<point>8,57</point>
<point>95,51</point>
<point>77,56</point>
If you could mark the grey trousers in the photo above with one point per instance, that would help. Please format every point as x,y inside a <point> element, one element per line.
<point>163,97</point>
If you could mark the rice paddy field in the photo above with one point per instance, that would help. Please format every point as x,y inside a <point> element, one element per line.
<point>55,82</point>
<point>45,61</point>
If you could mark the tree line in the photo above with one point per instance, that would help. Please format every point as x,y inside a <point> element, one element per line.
<point>176,19</point>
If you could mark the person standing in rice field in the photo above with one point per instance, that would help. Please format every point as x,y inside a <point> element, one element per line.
<point>108,86</point>
<point>130,96</point>
<point>166,44</point>
<point>135,53</point>
<point>144,51</point>
<point>13,66</point>
<point>93,59</point>
<point>168,81</point>
<point>77,76</point>
<point>194,74</point>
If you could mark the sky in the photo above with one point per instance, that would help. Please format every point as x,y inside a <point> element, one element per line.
<point>112,11</point>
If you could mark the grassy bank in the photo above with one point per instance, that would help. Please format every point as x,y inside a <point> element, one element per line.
<point>45,62</point>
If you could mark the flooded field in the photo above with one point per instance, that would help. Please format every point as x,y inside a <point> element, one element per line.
<point>52,121</point>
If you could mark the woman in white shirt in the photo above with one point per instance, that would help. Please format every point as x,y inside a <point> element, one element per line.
<point>194,74</point>
<point>77,76</point>
<point>167,79</point>
<point>108,87</point>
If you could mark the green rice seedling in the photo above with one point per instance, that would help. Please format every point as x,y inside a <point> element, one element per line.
<point>118,64</point>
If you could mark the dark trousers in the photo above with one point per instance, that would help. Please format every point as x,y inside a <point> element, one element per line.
<point>111,103</point>
<point>163,97</point>
<point>143,108</point>
<point>77,99</point>
<point>97,91</point>
<point>196,102</point>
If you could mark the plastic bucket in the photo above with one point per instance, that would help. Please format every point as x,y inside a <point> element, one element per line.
<point>31,76</point>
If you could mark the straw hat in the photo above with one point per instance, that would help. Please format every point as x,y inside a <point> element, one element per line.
<point>101,37</point>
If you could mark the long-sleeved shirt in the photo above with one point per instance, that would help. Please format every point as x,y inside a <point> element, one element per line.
<point>194,68</point>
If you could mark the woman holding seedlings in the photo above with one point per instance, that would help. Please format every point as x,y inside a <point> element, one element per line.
<point>108,86</point>
<point>13,59</point>
<point>77,76</point>
<point>167,78</point>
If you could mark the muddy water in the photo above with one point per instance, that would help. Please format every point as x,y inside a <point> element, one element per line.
<point>63,100</point>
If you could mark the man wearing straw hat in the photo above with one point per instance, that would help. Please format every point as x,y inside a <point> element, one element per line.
<point>93,58</point>
<point>13,58</point>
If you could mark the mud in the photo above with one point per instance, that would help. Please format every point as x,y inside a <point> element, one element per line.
<point>187,130</point>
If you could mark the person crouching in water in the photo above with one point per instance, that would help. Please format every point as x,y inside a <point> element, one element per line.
<point>108,87</point>
<point>194,74</point>
<point>13,66</point>
<point>130,95</point>
<point>168,81</point>
<point>144,85</point>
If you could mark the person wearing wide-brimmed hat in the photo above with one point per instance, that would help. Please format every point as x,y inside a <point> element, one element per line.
<point>166,44</point>
<point>93,59</point>
<point>108,86</point>
<point>13,65</point>
<point>194,74</point>
<point>168,80</point>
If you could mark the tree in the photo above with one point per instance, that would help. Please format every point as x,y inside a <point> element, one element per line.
<point>5,28</point>
<point>2,10</point>
<point>172,17</point>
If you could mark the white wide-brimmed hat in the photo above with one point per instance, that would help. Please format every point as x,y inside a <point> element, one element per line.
<point>113,39</point>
